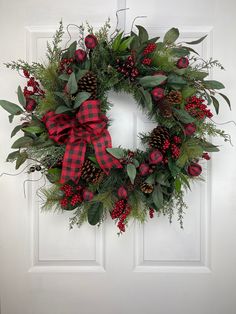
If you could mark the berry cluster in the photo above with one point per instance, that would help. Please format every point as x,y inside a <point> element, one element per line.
<point>149,48</point>
<point>127,67</point>
<point>121,211</point>
<point>72,195</point>
<point>65,65</point>
<point>196,108</point>
<point>147,61</point>
<point>32,88</point>
<point>151,212</point>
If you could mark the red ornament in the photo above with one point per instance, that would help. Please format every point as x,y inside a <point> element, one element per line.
<point>91,41</point>
<point>122,193</point>
<point>30,105</point>
<point>144,169</point>
<point>87,195</point>
<point>194,169</point>
<point>80,55</point>
<point>182,63</point>
<point>206,156</point>
<point>189,129</point>
<point>155,157</point>
<point>157,93</point>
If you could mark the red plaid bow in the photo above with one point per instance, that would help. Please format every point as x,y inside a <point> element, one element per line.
<point>88,126</point>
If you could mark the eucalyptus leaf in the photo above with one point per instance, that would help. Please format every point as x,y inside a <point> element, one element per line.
<point>182,115</point>
<point>152,81</point>
<point>16,130</point>
<point>62,109</point>
<point>22,157</point>
<point>13,155</point>
<point>80,98</point>
<point>33,129</point>
<point>64,77</point>
<point>117,152</point>
<point>23,141</point>
<point>142,34</point>
<point>71,49</point>
<point>72,84</point>
<point>211,84</point>
<point>21,96</point>
<point>171,36</point>
<point>197,41</point>
<point>147,99</point>
<point>117,41</point>
<point>157,197</point>
<point>179,52</point>
<point>95,212</point>
<point>125,44</point>
<point>215,104</point>
<point>131,171</point>
<point>11,107</point>
<point>226,99</point>
<point>188,91</point>
<point>174,79</point>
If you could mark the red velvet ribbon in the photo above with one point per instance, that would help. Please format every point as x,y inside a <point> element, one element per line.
<point>89,126</point>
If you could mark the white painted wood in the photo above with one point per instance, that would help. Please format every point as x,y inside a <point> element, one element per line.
<point>155,268</point>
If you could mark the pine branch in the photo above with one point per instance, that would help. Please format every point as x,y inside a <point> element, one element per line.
<point>54,50</point>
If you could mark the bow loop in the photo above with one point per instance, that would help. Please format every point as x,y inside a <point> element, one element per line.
<point>88,126</point>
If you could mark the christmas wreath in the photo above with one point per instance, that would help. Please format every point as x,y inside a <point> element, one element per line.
<point>64,123</point>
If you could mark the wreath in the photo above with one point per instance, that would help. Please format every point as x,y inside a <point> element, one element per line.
<point>64,123</point>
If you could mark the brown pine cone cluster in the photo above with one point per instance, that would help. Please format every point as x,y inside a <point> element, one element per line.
<point>158,137</point>
<point>90,173</point>
<point>174,97</point>
<point>88,83</point>
<point>146,188</point>
<point>165,108</point>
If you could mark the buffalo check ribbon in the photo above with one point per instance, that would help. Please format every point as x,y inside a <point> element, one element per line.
<point>89,126</point>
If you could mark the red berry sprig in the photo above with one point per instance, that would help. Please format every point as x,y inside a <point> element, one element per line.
<point>151,212</point>
<point>147,61</point>
<point>196,108</point>
<point>127,68</point>
<point>120,211</point>
<point>65,65</point>
<point>149,48</point>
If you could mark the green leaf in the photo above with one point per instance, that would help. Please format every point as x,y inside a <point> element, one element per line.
<point>23,141</point>
<point>80,98</point>
<point>142,34</point>
<point>171,36</point>
<point>117,152</point>
<point>22,157</point>
<point>72,84</point>
<point>62,109</point>
<point>117,41</point>
<point>147,99</point>
<point>188,91</point>
<point>157,197</point>
<point>54,175</point>
<point>182,115</point>
<point>16,130</point>
<point>11,117</point>
<point>174,79</point>
<point>195,42</point>
<point>125,44</point>
<point>209,147</point>
<point>135,162</point>
<point>150,179</point>
<point>34,129</point>
<point>131,171</point>
<point>184,179</point>
<point>21,96</point>
<point>191,50</point>
<point>71,49</point>
<point>211,84</point>
<point>64,97</point>
<point>10,107</point>
<point>64,77</point>
<point>215,104</point>
<point>95,212</point>
<point>226,99</point>
<point>189,150</point>
<point>13,155</point>
<point>174,169</point>
<point>162,178</point>
<point>179,52</point>
<point>152,81</point>
<point>197,75</point>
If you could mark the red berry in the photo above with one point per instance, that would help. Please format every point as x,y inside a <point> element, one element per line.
<point>151,212</point>
<point>26,73</point>
<point>80,55</point>
<point>91,41</point>
<point>182,63</point>
<point>30,105</point>
<point>206,156</point>
<point>157,93</point>
<point>155,157</point>
<point>194,169</point>
<point>189,129</point>
<point>122,193</point>
<point>69,71</point>
<point>87,195</point>
<point>144,169</point>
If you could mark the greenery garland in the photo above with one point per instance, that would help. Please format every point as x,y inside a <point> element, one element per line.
<point>63,123</point>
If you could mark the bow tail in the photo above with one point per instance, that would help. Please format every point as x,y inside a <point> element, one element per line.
<point>105,160</point>
<point>73,161</point>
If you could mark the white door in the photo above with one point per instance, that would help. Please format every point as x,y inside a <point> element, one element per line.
<point>155,268</point>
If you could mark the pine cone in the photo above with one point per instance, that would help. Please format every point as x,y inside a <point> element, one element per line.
<point>165,108</point>
<point>146,188</point>
<point>88,83</point>
<point>130,187</point>
<point>158,137</point>
<point>174,97</point>
<point>90,173</point>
